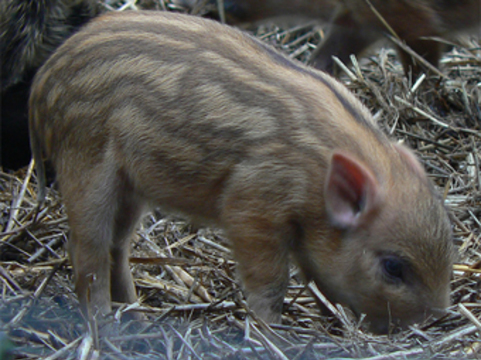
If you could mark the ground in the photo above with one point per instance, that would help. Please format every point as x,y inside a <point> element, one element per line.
<point>185,276</point>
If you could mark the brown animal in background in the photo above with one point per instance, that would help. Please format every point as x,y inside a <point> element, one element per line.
<point>142,109</point>
<point>355,26</point>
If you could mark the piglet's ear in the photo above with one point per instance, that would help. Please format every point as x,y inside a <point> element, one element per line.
<point>351,191</point>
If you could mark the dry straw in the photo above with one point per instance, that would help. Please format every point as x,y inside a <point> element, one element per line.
<point>186,276</point>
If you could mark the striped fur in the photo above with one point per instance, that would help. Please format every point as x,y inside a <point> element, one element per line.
<point>145,109</point>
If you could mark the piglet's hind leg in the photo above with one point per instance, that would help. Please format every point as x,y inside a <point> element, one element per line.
<point>127,216</point>
<point>99,235</point>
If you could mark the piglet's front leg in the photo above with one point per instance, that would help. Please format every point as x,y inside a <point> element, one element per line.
<point>263,267</point>
<point>260,233</point>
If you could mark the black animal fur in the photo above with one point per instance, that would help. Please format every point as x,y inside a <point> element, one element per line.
<point>30,30</point>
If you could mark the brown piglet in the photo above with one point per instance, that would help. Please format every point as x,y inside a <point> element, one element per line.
<point>356,26</point>
<point>143,109</point>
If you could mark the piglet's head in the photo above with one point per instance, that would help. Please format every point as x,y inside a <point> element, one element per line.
<point>389,254</point>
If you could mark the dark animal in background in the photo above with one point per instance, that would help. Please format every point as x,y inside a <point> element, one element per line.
<point>207,121</point>
<point>30,30</point>
<point>355,26</point>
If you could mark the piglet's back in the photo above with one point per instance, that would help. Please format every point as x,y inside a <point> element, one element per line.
<point>196,95</point>
<point>144,63</point>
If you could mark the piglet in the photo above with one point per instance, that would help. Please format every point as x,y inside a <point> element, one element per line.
<point>355,25</point>
<point>143,109</point>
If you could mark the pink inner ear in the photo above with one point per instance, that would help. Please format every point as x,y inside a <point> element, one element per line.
<point>350,192</point>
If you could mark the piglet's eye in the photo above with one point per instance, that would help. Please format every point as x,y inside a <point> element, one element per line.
<point>393,268</point>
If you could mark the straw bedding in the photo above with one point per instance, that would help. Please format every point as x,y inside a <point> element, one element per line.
<point>186,276</point>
